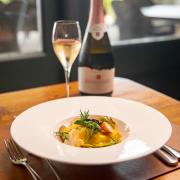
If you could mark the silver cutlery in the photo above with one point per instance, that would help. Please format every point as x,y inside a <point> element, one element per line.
<point>17,157</point>
<point>171,151</point>
<point>166,157</point>
<point>53,169</point>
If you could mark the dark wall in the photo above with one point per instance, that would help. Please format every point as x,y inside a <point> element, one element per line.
<point>156,65</point>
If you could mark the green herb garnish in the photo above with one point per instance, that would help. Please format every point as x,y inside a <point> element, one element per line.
<point>108,120</point>
<point>64,135</point>
<point>84,121</point>
<point>88,123</point>
<point>84,115</point>
<point>104,119</point>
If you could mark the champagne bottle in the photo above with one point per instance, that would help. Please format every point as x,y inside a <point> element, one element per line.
<point>96,64</point>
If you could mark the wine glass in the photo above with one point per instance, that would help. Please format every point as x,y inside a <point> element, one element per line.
<point>66,40</point>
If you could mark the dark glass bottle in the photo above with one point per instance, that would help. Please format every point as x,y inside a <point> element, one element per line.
<point>96,64</point>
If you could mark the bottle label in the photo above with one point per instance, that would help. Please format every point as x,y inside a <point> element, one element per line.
<point>95,81</point>
<point>97,31</point>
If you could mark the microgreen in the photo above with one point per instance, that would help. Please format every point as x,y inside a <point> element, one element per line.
<point>84,115</point>
<point>84,121</point>
<point>63,135</point>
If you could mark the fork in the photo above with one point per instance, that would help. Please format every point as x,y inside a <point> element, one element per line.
<point>17,157</point>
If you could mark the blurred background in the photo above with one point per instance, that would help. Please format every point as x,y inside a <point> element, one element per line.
<point>145,38</point>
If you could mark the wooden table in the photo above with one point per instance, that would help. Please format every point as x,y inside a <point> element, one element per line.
<point>13,103</point>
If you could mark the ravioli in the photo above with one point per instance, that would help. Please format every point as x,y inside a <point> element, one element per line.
<point>90,131</point>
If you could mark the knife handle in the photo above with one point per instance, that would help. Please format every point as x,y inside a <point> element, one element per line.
<point>172,151</point>
<point>166,158</point>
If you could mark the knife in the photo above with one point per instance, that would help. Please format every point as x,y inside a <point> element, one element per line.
<point>172,151</point>
<point>166,157</point>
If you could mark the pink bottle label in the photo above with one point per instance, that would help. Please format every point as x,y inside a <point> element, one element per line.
<point>95,81</point>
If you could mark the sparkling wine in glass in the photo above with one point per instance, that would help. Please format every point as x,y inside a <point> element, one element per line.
<point>66,40</point>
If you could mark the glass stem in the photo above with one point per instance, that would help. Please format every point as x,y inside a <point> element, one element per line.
<point>66,73</point>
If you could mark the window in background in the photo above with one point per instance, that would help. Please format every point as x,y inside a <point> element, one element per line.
<point>140,21</point>
<point>20,29</point>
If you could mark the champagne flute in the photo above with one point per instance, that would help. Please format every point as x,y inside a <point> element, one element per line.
<point>66,40</point>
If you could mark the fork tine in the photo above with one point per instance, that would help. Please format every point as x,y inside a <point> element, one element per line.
<point>11,150</point>
<point>11,156</point>
<point>17,149</point>
<point>7,149</point>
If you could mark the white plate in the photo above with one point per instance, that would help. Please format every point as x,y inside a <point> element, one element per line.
<point>148,130</point>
